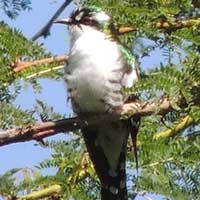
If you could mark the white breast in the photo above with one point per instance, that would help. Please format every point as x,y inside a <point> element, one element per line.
<point>94,71</point>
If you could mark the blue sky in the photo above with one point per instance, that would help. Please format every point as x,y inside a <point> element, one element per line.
<point>27,154</point>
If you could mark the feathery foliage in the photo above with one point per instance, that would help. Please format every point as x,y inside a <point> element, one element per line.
<point>13,7</point>
<point>74,170</point>
<point>15,47</point>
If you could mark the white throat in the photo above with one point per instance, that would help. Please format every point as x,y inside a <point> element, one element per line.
<point>78,31</point>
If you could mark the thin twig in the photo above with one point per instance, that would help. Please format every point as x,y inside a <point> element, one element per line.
<point>170,27</point>
<point>157,163</point>
<point>181,125</point>
<point>37,74</point>
<point>125,30</point>
<point>46,29</point>
<point>165,25</point>
<point>46,192</point>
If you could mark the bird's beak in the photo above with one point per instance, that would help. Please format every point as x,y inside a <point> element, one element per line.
<point>66,21</point>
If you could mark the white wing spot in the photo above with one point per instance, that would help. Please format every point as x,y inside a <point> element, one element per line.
<point>113,190</point>
<point>122,184</point>
<point>96,143</point>
<point>122,166</point>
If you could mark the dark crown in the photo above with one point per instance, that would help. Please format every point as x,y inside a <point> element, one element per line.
<point>89,16</point>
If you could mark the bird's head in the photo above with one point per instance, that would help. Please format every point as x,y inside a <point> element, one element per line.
<point>91,16</point>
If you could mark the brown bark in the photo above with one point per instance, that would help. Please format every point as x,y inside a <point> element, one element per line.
<point>41,130</point>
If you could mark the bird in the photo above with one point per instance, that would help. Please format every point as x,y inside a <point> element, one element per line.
<point>96,73</point>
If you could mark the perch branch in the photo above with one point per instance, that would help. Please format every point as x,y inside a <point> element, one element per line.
<point>46,29</point>
<point>46,129</point>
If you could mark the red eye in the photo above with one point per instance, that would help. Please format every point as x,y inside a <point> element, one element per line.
<point>87,21</point>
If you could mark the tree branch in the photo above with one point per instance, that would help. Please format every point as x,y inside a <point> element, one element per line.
<point>46,129</point>
<point>47,192</point>
<point>183,124</point>
<point>170,27</point>
<point>40,73</point>
<point>165,25</point>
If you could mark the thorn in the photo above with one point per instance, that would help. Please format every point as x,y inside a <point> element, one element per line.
<point>41,142</point>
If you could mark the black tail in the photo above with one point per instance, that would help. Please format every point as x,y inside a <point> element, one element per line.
<point>113,184</point>
<point>117,188</point>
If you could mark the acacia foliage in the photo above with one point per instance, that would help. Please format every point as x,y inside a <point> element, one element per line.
<point>168,166</point>
<point>13,7</point>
